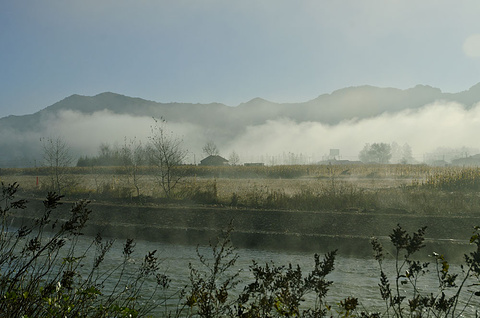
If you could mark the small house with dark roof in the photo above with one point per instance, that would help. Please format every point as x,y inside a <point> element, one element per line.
<point>214,160</point>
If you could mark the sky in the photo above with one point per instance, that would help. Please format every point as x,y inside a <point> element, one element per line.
<point>231,51</point>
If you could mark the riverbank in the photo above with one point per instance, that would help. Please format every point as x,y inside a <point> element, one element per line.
<point>316,232</point>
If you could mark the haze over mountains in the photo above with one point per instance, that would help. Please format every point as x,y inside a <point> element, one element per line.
<point>258,130</point>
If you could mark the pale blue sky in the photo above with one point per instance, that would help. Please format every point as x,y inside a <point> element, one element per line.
<point>231,51</point>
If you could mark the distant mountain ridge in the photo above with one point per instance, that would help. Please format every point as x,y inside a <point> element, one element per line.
<point>226,122</point>
<point>343,104</point>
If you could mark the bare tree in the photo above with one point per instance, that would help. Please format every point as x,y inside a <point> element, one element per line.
<point>210,149</point>
<point>166,154</point>
<point>234,159</point>
<point>133,156</point>
<point>56,156</point>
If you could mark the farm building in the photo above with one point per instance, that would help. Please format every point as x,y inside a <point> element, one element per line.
<point>339,162</point>
<point>471,161</point>
<point>214,160</point>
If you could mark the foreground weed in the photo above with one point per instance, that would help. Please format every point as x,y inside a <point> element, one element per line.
<point>279,291</point>
<point>42,273</point>
<point>210,287</point>
<point>404,298</point>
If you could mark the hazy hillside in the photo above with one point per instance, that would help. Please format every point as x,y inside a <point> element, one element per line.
<point>251,127</point>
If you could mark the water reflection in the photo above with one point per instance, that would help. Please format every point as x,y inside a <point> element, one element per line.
<point>352,277</point>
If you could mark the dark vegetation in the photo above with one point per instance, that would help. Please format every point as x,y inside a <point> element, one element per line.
<point>44,273</point>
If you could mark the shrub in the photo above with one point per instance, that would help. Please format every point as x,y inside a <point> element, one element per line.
<point>279,291</point>
<point>42,273</point>
<point>210,287</point>
<point>206,194</point>
<point>276,291</point>
<point>401,301</point>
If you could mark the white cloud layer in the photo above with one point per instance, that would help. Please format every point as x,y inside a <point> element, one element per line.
<point>425,129</point>
<point>433,126</point>
<point>441,124</point>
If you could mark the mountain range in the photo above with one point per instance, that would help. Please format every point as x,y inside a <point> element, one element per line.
<point>224,124</point>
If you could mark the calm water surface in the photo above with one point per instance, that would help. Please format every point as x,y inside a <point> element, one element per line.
<point>354,277</point>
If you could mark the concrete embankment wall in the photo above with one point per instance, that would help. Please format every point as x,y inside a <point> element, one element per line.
<point>315,232</point>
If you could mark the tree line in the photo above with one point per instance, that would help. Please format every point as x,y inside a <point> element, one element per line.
<point>163,151</point>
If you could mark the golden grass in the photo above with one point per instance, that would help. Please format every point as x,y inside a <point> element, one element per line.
<point>408,187</point>
<point>231,180</point>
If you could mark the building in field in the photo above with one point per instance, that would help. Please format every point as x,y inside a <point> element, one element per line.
<point>471,161</point>
<point>254,164</point>
<point>334,155</point>
<point>214,160</point>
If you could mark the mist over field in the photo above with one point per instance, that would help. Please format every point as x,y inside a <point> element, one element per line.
<point>261,133</point>
<point>425,129</point>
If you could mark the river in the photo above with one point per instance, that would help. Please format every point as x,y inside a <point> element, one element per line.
<point>353,276</point>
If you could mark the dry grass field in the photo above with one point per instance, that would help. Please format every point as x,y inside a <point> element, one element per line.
<point>408,188</point>
<point>240,180</point>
